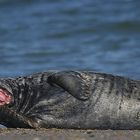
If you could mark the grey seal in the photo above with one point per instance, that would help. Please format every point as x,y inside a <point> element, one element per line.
<point>70,99</point>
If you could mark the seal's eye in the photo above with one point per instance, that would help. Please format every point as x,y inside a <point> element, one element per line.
<point>4,97</point>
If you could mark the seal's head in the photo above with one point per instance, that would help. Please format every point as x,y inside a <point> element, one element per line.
<point>6,93</point>
<point>5,97</point>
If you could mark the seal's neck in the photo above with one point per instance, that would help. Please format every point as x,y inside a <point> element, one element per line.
<point>5,98</point>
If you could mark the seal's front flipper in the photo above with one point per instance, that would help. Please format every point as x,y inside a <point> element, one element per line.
<point>11,118</point>
<point>77,84</point>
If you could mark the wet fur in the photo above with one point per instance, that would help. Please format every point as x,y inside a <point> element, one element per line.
<point>72,99</point>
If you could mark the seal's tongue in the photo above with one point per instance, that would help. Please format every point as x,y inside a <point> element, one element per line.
<point>4,97</point>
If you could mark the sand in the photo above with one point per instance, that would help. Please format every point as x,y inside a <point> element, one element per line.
<point>64,134</point>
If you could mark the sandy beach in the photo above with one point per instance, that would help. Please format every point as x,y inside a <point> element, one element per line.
<point>63,134</point>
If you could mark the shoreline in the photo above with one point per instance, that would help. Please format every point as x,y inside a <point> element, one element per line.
<point>67,134</point>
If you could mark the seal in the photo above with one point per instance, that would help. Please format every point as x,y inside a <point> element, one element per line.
<point>70,99</point>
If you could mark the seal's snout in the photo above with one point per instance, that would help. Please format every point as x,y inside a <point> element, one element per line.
<point>5,98</point>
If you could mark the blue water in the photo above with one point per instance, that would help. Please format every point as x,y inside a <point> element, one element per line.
<point>40,35</point>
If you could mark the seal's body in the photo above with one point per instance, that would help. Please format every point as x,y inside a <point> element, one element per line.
<point>71,99</point>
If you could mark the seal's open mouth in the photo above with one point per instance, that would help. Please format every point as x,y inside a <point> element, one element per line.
<point>4,97</point>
